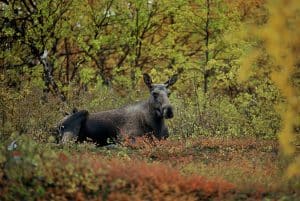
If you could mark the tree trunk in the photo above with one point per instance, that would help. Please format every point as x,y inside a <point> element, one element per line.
<point>48,77</point>
<point>67,79</point>
<point>205,73</point>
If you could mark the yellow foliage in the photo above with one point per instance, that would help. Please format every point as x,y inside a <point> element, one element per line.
<point>247,62</point>
<point>281,40</point>
<point>293,169</point>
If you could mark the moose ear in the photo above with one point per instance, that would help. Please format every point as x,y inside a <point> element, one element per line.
<point>172,80</point>
<point>147,80</point>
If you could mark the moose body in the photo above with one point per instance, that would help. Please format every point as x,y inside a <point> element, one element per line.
<point>134,120</point>
<point>143,118</point>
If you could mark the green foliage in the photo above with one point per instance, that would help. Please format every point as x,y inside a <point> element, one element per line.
<point>86,75</point>
<point>244,115</point>
<point>93,45</point>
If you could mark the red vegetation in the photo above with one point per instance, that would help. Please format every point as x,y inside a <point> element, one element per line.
<point>158,182</point>
<point>90,177</point>
<point>146,169</point>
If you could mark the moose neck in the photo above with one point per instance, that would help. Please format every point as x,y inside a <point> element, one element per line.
<point>155,122</point>
<point>153,113</point>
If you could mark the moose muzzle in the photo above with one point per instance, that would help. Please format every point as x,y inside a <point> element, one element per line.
<point>168,112</point>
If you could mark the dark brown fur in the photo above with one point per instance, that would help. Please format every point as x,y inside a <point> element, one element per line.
<point>143,118</point>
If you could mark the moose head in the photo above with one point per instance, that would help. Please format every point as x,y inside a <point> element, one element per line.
<point>159,96</point>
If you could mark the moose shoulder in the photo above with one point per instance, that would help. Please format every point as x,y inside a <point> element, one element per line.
<point>144,118</point>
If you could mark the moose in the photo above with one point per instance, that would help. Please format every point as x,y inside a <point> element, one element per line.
<point>140,119</point>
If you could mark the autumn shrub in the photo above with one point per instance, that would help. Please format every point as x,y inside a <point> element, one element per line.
<point>29,172</point>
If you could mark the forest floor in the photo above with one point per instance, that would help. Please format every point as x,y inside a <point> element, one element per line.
<point>199,168</point>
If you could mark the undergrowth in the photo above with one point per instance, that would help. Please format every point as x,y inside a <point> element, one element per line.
<point>30,172</point>
<point>195,169</point>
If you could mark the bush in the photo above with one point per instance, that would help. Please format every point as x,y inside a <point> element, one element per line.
<point>30,172</point>
<point>220,115</point>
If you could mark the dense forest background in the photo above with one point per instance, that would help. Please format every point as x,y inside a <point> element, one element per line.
<point>81,53</point>
<point>72,50</point>
<point>238,64</point>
